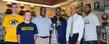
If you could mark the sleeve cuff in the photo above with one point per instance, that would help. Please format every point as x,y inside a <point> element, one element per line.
<point>79,39</point>
<point>67,39</point>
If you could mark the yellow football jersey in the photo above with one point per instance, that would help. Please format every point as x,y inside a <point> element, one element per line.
<point>10,23</point>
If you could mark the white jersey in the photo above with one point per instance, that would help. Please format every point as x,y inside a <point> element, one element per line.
<point>91,21</point>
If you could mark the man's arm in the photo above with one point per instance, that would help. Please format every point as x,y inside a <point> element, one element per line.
<point>81,29</point>
<point>18,38</point>
<point>18,32</point>
<point>34,20</point>
<point>35,36</point>
<point>98,29</point>
<point>4,32</point>
<point>96,23</point>
<point>4,24</point>
<point>35,29</point>
<point>68,30</point>
<point>35,32</point>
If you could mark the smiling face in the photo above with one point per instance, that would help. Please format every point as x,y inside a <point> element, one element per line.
<point>87,8</point>
<point>43,11</point>
<point>58,11</point>
<point>73,9</point>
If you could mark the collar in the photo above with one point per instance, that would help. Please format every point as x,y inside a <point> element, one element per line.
<point>14,16</point>
<point>90,14</point>
<point>43,18</point>
<point>75,15</point>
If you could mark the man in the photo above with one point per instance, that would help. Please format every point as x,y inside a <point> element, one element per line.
<point>10,23</point>
<point>44,26</point>
<point>26,30</point>
<point>75,26</point>
<point>61,24</point>
<point>91,23</point>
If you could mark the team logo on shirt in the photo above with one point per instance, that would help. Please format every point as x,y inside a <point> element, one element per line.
<point>87,21</point>
<point>58,23</point>
<point>13,23</point>
<point>27,28</point>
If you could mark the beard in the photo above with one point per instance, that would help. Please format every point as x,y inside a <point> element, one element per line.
<point>87,12</point>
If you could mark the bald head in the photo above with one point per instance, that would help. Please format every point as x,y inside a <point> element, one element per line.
<point>73,9</point>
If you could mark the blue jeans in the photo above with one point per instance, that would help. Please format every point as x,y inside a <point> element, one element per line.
<point>91,42</point>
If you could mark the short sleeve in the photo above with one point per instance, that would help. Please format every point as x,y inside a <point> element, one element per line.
<point>18,29</point>
<point>21,19</point>
<point>5,22</point>
<point>96,21</point>
<point>33,20</point>
<point>35,29</point>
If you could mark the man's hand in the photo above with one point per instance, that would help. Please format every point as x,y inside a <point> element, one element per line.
<point>78,42</point>
<point>71,35</point>
<point>67,42</point>
<point>35,36</point>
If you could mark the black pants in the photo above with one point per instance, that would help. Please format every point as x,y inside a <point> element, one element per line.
<point>82,41</point>
<point>11,43</point>
<point>73,39</point>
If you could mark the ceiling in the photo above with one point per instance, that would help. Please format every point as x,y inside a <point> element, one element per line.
<point>44,2</point>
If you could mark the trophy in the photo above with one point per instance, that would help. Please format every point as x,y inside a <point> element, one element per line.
<point>104,18</point>
<point>104,25</point>
<point>54,35</point>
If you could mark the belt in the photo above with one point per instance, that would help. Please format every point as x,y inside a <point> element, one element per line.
<point>75,34</point>
<point>43,36</point>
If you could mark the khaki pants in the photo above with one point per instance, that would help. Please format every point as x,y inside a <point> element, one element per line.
<point>42,40</point>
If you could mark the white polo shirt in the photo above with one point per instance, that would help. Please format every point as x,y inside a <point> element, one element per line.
<point>91,21</point>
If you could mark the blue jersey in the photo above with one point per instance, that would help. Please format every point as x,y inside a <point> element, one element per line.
<point>26,32</point>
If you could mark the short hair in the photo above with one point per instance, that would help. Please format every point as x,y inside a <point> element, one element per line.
<point>14,3</point>
<point>88,5</point>
<point>42,8</point>
<point>27,11</point>
<point>75,6</point>
<point>58,8</point>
